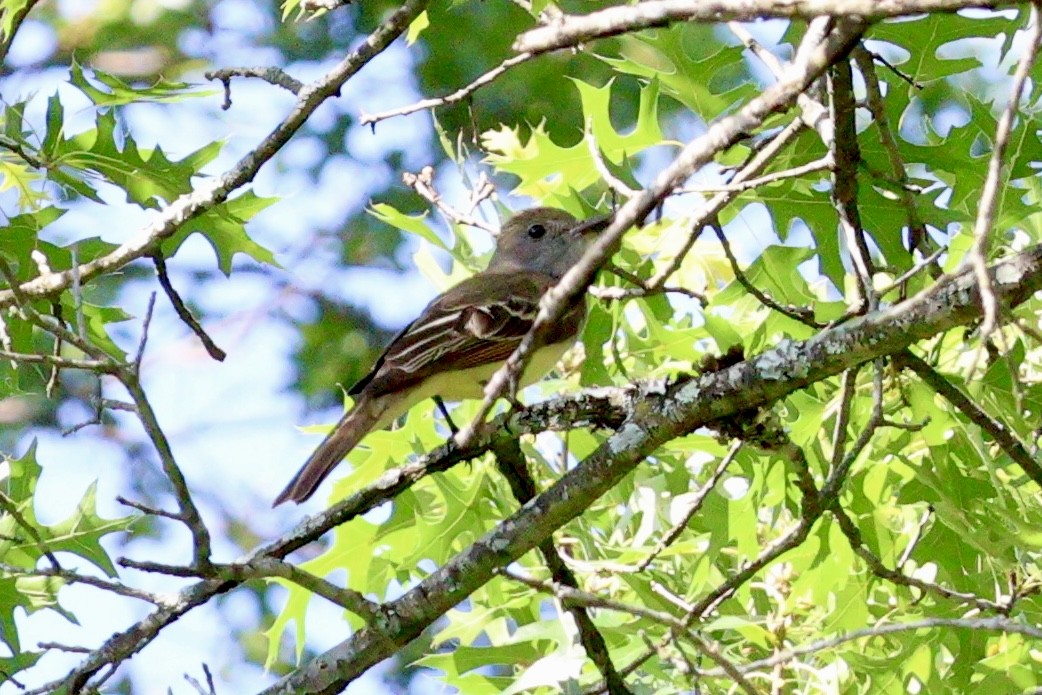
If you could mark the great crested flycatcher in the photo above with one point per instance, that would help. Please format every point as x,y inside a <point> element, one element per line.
<point>459,341</point>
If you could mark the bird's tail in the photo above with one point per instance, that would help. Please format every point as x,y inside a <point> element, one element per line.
<point>364,417</point>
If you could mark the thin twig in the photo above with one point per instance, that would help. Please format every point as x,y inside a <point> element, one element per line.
<point>77,294</point>
<point>100,405</point>
<point>846,155</point>
<point>840,430</point>
<point>148,509</point>
<point>511,463</point>
<point>857,544</point>
<point>918,236</point>
<point>822,164</point>
<point>458,95</point>
<point>56,351</point>
<point>714,205</point>
<point>982,226</point>
<point>190,515</point>
<point>812,112</point>
<point>692,507</point>
<point>423,184</point>
<point>998,431</point>
<point>913,542</point>
<point>163,568</point>
<point>72,577</point>
<point>265,567</point>
<point>901,74</point>
<point>804,476</point>
<point>139,355</point>
<point>900,281</point>
<point>271,75</point>
<point>572,595</point>
<point>641,289</point>
<point>16,147</point>
<point>620,293</point>
<point>64,647</point>
<point>843,458</point>
<point>183,311</point>
<point>995,624</point>
<point>60,362</point>
<point>801,314</point>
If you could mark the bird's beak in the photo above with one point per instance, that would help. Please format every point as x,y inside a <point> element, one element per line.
<point>594,225</point>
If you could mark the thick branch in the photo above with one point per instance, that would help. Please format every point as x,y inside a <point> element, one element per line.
<point>603,407</point>
<point>667,411</point>
<point>569,30</point>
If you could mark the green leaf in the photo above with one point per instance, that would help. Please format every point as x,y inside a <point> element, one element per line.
<point>413,224</point>
<point>9,10</point>
<point>119,93</point>
<point>923,37</point>
<point>546,168</point>
<point>224,227</point>
<point>149,177</point>
<point>24,542</point>
<point>15,173</point>
<point>709,82</point>
<point>416,28</point>
<point>11,665</point>
<point>80,533</point>
<point>773,274</point>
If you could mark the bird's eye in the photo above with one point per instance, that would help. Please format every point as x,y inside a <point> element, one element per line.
<point>536,231</point>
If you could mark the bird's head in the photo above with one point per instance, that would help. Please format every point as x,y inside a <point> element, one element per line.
<point>544,240</point>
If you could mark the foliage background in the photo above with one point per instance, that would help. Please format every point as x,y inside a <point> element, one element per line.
<point>302,287</point>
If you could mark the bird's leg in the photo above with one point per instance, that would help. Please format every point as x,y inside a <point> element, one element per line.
<point>445,413</point>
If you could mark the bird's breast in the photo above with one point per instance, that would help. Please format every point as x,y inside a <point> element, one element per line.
<point>470,383</point>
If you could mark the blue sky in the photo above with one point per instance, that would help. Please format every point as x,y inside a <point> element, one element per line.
<point>233,425</point>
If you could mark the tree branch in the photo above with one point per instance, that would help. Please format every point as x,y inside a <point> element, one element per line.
<point>459,95</point>
<point>998,431</point>
<point>565,30</point>
<point>15,21</point>
<point>996,624</point>
<point>512,465</point>
<point>218,189</point>
<point>667,411</point>
<point>697,153</point>
<point>978,255</point>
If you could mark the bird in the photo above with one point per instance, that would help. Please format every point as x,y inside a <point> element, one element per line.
<point>464,335</point>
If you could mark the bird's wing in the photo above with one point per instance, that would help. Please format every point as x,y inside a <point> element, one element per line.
<point>480,321</point>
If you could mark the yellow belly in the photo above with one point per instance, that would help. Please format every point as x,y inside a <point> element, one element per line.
<point>470,383</point>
